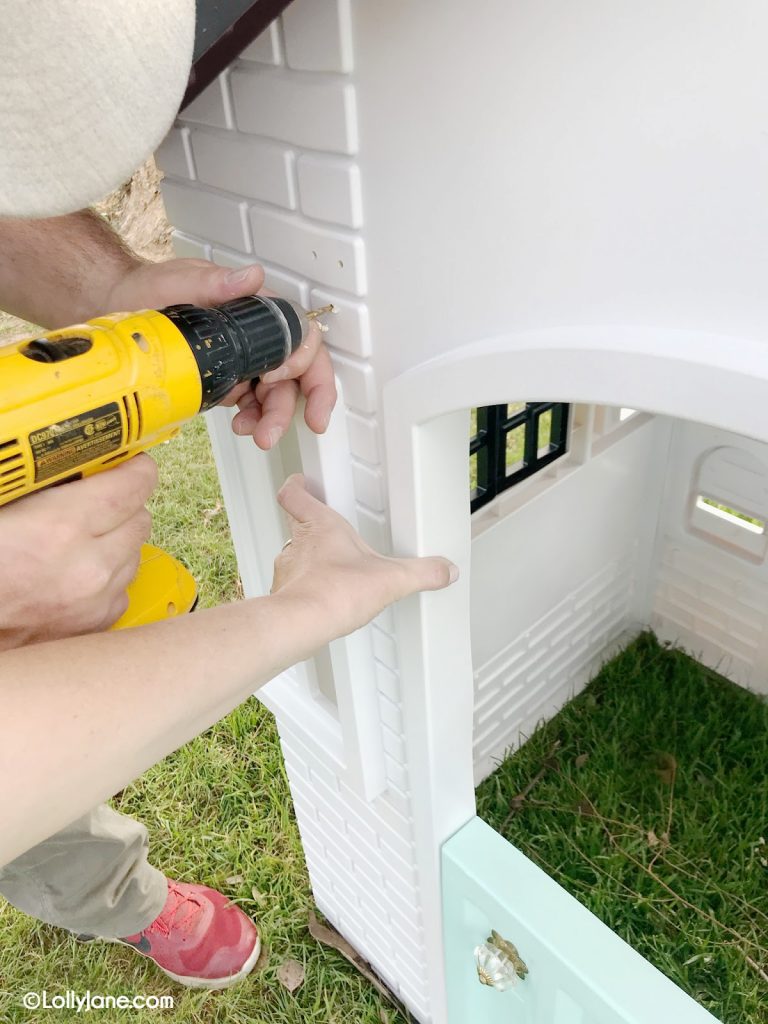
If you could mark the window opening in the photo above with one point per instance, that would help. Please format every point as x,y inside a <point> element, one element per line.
<point>731,515</point>
<point>511,442</point>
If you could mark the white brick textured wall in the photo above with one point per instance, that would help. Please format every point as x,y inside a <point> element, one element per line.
<point>363,436</point>
<point>254,170</point>
<point>315,114</point>
<point>175,154</point>
<point>261,168</point>
<point>330,190</point>
<point>530,678</point>
<point>213,106</point>
<point>351,329</point>
<point>190,248</point>
<point>334,258</point>
<point>209,216</point>
<point>360,858</point>
<point>318,35</point>
<point>268,48</point>
<point>704,601</point>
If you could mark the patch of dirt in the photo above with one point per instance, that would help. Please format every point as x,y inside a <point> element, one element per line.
<point>136,212</point>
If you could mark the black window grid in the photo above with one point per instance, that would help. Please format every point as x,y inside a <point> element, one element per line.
<point>489,444</point>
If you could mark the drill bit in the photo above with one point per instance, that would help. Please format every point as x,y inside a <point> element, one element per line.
<point>313,315</point>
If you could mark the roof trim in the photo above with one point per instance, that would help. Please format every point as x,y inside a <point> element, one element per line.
<point>230,45</point>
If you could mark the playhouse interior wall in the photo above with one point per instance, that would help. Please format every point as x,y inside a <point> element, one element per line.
<point>611,542</point>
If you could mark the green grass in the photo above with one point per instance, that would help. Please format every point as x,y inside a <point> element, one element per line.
<point>218,809</point>
<point>734,512</point>
<point>646,798</point>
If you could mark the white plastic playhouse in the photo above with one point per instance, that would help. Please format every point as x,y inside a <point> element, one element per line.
<point>513,201</point>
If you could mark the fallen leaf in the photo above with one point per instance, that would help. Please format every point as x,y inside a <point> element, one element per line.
<point>290,973</point>
<point>587,809</point>
<point>235,880</point>
<point>259,897</point>
<point>209,513</point>
<point>666,768</point>
<point>581,760</point>
<point>330,937</point>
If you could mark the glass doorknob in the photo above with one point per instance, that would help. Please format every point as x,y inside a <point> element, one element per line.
<point>498,963</point>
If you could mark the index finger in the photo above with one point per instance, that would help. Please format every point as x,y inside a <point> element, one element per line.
<point>108,499</point>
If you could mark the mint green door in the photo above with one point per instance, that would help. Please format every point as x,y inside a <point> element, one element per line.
<point>579,971</point>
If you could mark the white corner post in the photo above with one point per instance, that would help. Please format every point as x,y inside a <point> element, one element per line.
<point>429,509</point>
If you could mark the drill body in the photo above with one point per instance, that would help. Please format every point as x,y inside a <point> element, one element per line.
<point>82,399</point>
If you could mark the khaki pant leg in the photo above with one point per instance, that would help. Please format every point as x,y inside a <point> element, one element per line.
<point>92,877</point>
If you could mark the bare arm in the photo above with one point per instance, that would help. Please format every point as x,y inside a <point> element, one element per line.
<point>64,270</point>
<point>60,270</point>
<point>82,717</point>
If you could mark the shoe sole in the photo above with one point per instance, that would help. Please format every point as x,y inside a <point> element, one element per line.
<point>214,984</point>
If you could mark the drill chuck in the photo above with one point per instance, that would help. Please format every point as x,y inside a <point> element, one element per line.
<point>239,340</point>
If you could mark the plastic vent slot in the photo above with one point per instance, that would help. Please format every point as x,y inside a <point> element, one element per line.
<point>133,424</point>
<point>13,471</point>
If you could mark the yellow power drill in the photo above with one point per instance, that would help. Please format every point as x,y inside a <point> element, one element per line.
<point>82,399</point>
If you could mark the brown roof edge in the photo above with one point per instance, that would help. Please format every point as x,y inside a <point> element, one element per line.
<point>230,45</point>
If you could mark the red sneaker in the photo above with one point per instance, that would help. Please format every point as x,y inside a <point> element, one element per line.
<point>199,939</point>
